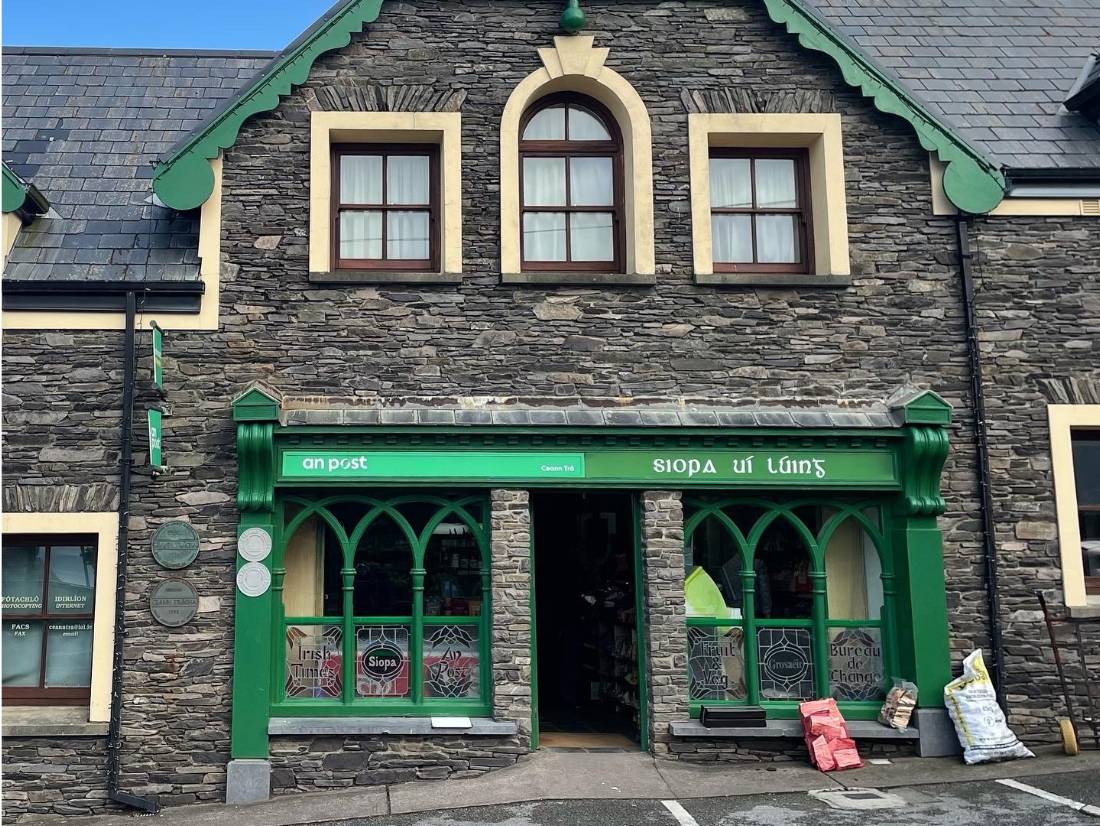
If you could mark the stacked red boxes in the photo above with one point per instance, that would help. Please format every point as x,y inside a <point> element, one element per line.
<point>827,740</point>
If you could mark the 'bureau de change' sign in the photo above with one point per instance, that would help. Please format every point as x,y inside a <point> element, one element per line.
<point>690,467</point>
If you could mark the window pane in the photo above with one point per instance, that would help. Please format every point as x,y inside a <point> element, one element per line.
<point>383,561</point>
<point>451,661</point>
<point>785,658</point>
<point>546,125</point>
<point>1086,468</point>
<point>314,662</point>
<point>712,587</point>
<point>853,576</point>
<point>855,663</point>
<point>22,653</point>
<point>72,579</point>
<point>452,584</point>
<point>782,562</point>
<point>775,183</point>
<point>730,183</point>
<point>592,236</point>
<point>382,661</point>
<point>407,179</point>
<point>361,235</point>
<point>544,236</point>
<point>591,182</point>
<point>68,654</point>
<point>716,663</point>
<point>731,238</point>
<point>23,570</point>
<point>360,179</point>
<point>544,181</point>
<point>776,239</point>
<point>583,126</point>
<point>407,236</point>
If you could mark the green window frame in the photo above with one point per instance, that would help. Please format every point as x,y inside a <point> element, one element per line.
<point>818,628</point>
<point>350,647</point>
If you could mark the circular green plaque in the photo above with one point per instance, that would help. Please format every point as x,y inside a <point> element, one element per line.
<point>175,545</point>
<point>174,603</point>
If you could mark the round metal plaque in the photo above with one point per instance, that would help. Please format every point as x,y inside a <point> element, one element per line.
<point>174,603</point>
<point>253,579</point>
<point>175,545</point>
<point>254,544</point>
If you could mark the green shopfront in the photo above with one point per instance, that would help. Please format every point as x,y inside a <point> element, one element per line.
<point>387,564</point>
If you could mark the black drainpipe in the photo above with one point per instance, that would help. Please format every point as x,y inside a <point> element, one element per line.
<point>114,731</point>
<point>981,444</point>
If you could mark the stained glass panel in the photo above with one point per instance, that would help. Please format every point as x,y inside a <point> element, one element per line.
<point>314,661</point>
<point>451,661</point>
<point>785,658</point>
<point>382,661</point>
<point>716,663</point>
<point>855,663</point>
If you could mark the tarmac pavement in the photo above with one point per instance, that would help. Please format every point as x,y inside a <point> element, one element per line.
<point>627,789</point>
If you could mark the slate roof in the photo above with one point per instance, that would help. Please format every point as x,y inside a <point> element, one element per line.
<point>997,71</point>
<point>85,126</point>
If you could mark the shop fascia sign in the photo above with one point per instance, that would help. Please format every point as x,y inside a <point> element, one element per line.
<point>690,467</point>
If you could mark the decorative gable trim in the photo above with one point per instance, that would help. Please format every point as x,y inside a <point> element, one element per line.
<point>973,183</point>
<point>184,179</point>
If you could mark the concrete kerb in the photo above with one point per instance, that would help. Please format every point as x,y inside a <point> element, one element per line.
<point>571,776</point>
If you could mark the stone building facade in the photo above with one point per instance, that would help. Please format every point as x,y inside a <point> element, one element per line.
<point>841,363</point>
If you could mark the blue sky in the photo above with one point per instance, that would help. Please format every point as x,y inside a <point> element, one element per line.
<point>240,24</point>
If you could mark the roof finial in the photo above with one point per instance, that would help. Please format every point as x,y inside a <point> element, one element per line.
<point>572,19</point>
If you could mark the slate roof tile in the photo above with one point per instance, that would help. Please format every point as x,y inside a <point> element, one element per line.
<point>86,126</point>
<point>1018,57</point>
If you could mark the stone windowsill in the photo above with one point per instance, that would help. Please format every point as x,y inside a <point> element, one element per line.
<point>771,279</point>
<point>611,279</point>
<point>405,726</point>
<point>50,721</point>
<point>384,277</point>
<point>1086,612</point>
<point>773,729</point>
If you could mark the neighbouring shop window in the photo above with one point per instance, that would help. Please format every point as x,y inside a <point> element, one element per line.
<point>759,204</point>
<point>386,206</point>
<point>769,635</point>
<point>1086,476</point>
<point>571,186</point>
<point>48,610</point>
<point>384,603</point>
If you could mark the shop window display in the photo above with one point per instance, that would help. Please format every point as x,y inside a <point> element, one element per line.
<point>382,603</point>
<point>771,636</point>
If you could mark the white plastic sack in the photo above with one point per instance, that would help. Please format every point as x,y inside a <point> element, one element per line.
<point>979,721</point>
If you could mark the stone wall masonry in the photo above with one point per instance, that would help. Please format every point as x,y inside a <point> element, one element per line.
<point>58,775</point>
<point>899,321</point>
<point>1038,300</point>
<point>510,526</point>
<point>311,764</point>
<point>665,620</point>
<point>764,750</point>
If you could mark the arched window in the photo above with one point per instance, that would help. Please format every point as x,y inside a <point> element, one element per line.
<point>571,190</point>
<point>383,604</point>
<point>786,602</point>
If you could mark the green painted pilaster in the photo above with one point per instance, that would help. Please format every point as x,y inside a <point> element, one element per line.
<point>748,624</point>
<point>821,632</point>
<point>253,616</point>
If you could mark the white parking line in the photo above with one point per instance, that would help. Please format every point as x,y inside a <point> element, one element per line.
<point>1053,798</point>
<point>680,813</point>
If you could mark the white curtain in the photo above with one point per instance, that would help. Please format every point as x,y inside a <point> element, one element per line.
<point>775,183</point>
<point>584,127</point>
<point>731,238</point>
<point>407,179</point>
<point>360,234</point>
<point>591,237</point>
<point>546,125</point>
<point>361,179</point>
<point>730,183</point>
<point>591,182</point>
<point>407,235</point>
<point>544,181</point>
<point>775,239</point>
<point>544,236</point>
